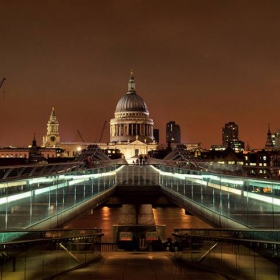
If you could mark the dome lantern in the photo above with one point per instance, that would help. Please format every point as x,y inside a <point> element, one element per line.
<point>131,102</point>
<point>131,84</point>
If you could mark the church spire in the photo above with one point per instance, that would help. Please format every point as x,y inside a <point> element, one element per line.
<point>269,144</point>
<point>131,84</point>
<point>52,137</point>
<point>34,142</point>
<point>53,113</point>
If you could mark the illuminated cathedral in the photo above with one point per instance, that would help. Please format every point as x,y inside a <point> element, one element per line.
<point>131,129</point>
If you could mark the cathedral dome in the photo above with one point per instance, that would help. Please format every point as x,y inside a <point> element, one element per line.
<point>131,101</point>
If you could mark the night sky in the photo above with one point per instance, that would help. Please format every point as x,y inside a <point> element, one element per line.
<point>198,63</point>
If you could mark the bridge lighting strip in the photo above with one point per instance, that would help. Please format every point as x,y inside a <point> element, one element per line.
<point>225,188</point>
<point>52,179</point>
<point>51,188</point>
<point>83,178</point>
<point>271,200</point>
<point>264,182</point>
<point>87,176</point>
<point>232,181</point>
<point>261,184</point>
<point>211,177</point>
<point>218,187</point>
<point>15,197</point>
<point>267,199</point>
<point>177,175</point>
<point>196,179</point>
<point>39,180</point>
<point>71,183</point>
<point>190,177</point>
<point>119,169</point>
<point>224,180</point>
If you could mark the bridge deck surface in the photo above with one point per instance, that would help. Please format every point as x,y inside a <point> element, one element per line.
<point>138,266</point>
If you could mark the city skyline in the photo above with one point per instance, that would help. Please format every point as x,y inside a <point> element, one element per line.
<point>199,64</point>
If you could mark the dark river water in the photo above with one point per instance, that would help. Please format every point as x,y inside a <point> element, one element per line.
<point>105,217</point>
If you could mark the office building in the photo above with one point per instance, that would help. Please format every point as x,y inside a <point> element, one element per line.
<point>230,133</point>
<point>173,133</point>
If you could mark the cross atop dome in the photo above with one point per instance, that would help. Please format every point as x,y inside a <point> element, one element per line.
<point>131,83</point>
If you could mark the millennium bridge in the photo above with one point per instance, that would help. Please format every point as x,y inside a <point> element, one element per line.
<point>36,201</point>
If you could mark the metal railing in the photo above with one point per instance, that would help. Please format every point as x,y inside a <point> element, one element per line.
<point>237,254</point>
<point>44,254</point>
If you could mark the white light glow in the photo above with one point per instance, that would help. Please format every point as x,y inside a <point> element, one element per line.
<point>268,199</point>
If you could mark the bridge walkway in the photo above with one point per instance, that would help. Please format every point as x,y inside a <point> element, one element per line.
<point>139,266</point>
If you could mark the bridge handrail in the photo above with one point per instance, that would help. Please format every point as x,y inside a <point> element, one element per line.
<point>256,235</point>
<point>32,235</point>
<point>40,254</point>
<point>218,251</point>
<point>214,167</point>
<point>39,170</point>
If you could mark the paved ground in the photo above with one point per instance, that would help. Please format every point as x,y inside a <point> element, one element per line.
<point>138,266</point>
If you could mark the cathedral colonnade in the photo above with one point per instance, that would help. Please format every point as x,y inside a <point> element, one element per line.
<point>132,129</point>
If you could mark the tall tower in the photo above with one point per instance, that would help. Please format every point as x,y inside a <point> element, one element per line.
<point>173,133</point>
<point>269,144</point>
<point>230,133</point>
<point>52,138</point>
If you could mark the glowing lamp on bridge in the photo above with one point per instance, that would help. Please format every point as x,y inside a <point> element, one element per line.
<point>151,236</point>
<point>126,236</point>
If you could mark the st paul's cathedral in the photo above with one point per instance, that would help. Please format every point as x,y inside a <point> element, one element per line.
<point>131,129</point>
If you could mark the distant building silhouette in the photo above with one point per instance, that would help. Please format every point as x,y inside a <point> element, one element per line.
<point>230,137</point>
<point>276,139</point>
<point>173,133</point>
<point>156,135</point>
<point>230,133</point>
<point>237,145</point>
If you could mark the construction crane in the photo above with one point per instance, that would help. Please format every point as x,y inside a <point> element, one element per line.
<point>80,135</point>
<point>104,126</point>
<point>2,82</point>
